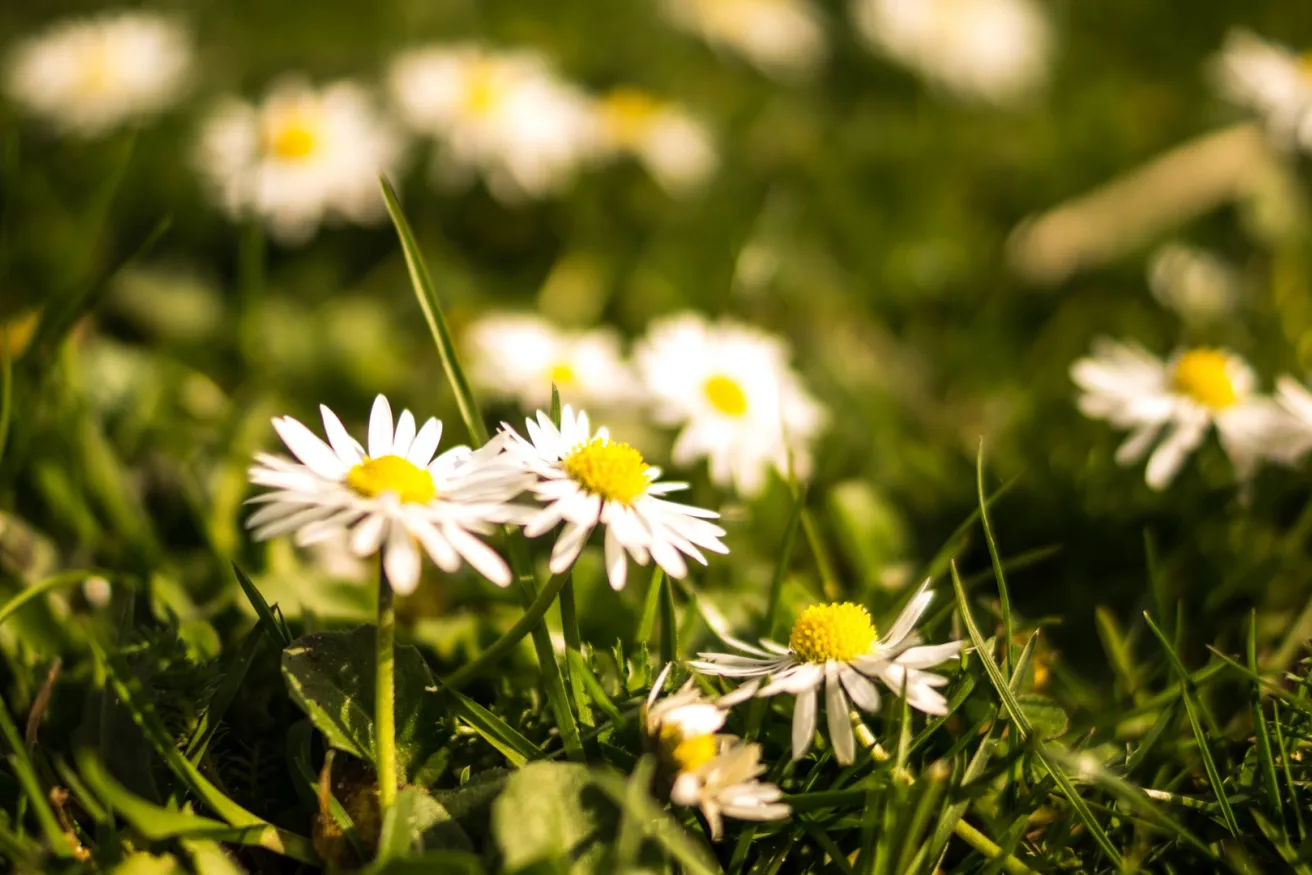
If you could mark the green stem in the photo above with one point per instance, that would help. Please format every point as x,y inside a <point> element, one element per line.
<point>569,621</point>
<point>385,696</point>
<point>512,636</point>
<point>986,846</point>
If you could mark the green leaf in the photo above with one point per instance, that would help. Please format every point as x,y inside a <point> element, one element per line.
<point>495,731</point>
<point>547,813</point>
<point>418,823</point>
<point>209,858</point>
<point>331,676</point>
<point>1046,717</point>
<point>142,863</point>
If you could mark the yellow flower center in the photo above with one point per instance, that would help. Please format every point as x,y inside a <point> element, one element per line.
<point>839,631</point>
<point>613,470</point>
<point>1203,375</point>
<point>410,483</point>
<point>98,70</point>
<point>726,395</point>
<point>292,138</point>
<point>628,113</point>
<point>562,374</point>
<point>484,87</point>
<point>687,754</point>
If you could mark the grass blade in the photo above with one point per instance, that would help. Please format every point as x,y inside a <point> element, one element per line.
<point>669,624</point>
<point>531,618</point>
<point>1003,597</point>
<point>275,630</point>
<point>31,784</point>
<point>1262,734</point>
<point>781,565</point>
<point>495,731</point>
<point>650,604</point>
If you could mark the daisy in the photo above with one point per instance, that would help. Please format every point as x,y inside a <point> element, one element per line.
<point>782,38</point>
<point>992,50</point>
<point>676,148</point>
<point>393,496</point>
<point>1270,80</point>
<point>713,772</point>
<point>300,157</point>
<point>588,479</point>
<point>521,356</point>
<point>88,76</point>
<point>1196,389</point>
<point>1295,399</point>
<point>505,115</point>
<point>835,646</point>
<point>739,403</point>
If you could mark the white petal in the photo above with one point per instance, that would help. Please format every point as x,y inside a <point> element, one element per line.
<point>425,444</point>
<point>1171,453</point>
<point>840,726</point>
<point>367,536</point>
<point>405,434</point>
<point>307,447</point>
<point>864,694</point>
<point>436,546</point>
<point>927,657</point>
<point>910,616</point>
<point>479,555</point>
<point>804,717</point>
<point>401,561</point>
<point>568,546</point>
<point>617,561</point>
<point>342,443</point>
<point>380,428</point>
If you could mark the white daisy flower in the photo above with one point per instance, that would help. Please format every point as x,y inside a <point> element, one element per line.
<point>301,157</point>
<point>393,496</point>
<point>1183,398</point>
<point>587,479</point>
<point>88,76</point>
<point>992,50</point>
<point>739,403</point>
<point>520,356</point>
<point>675,147</point>
<point>1295,399</point>
<point>835,646</point>
<point>782,38</point>
<point>715,773</point>
<point>1272,81</point>
<point>1193,282</point>
<point>505,115</point>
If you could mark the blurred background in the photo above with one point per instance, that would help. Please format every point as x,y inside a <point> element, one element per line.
<point>892,188</point>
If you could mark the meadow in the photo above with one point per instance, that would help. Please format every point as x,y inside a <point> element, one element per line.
<point>693,436</point>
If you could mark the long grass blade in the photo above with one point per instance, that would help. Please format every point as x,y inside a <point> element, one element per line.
<point>999,575</point>
<point>31,784</point>
<point>530,619</point>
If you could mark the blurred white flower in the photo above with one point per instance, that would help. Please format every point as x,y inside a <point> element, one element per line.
<point>1183,398</point>
<point>731,389</point>
<point>519,356</point>
<point>87,76</point>
<point>586,479</point>
<point>301,157</point>
<point>992,50</point>
<point>505,115</point>
<point>97,591</point>
<point>675,147</point>
<point>715,773</point>
<point>1270,80</point>
<point>782,38</point>
<point>1193,282</point>
<point>836,647</point>
<point>394,496</point>
<point>1295,399</point>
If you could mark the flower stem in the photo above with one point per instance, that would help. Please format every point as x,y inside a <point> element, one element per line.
<point>385,696</point>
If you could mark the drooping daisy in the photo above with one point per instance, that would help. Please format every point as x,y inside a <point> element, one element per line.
<point>1272,81</point>
<point>676,148</point>
<point>782,38</point>
<point>505,115</point>
<point>730,388</point>
<point>301,157</point>
<point>520,356</point>
<point>993,50</point>
<point>392,496</point>
<point>835,646</point>
<point>713,772</point>
<point>1193,282</point>
<point>586,479</point>
<point>1181,399</point>
<point>88,76</point>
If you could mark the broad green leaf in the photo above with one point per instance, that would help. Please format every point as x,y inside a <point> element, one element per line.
<point>209,858</point>
<point>331,676</point>
<point>1046,717</point>
<point>548,812</point>
<point>419,823</point>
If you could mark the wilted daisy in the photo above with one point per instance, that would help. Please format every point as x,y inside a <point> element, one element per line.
<point>715,773</point>
<point>730,388</point>
<point>520,356</point>
<point>1272,81</point>
<point>304,155</point>
<point>87,76</point>
<point>392,496</point>
<point>994,50</point>
<point>1174,403</point>
<point>675,147</point>
<point>505,115</point>
<point>836,647</point>
<point>586,479</point>
<point>781,37</point>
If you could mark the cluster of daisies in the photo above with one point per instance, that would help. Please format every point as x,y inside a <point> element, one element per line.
<point>1170,406</point>
<point>395,496</point>
<point>1272,81</point>
<point>727,387</point>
